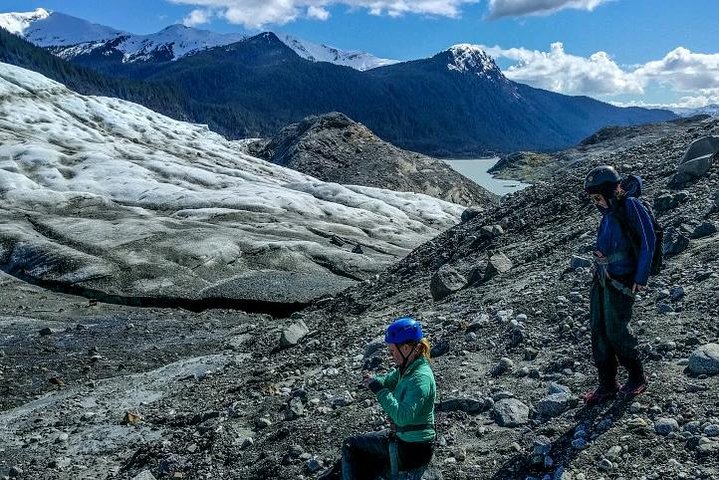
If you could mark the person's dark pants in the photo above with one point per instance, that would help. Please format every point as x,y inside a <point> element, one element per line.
<point>366,457</point>
<point>612,337</point>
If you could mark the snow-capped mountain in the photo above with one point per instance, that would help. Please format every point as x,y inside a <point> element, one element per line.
<point>102,194</point>
<point>71,37</point>
<point>47,29</point>
<point>712,109</point>
<point>467,58</point>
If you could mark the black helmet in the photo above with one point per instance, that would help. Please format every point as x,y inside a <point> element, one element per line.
<point>602,179</point>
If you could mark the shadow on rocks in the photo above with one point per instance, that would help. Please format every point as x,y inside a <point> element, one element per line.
<point>592,421</point>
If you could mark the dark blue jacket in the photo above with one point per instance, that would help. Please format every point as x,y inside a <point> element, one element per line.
<point>615,244</point>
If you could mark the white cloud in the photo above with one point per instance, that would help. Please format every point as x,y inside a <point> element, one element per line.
<point>318,13</point>
<point>259,13</point>
<point>683,70</point>
<point>561,72</point>
<point>517,8</point>
<point>197,17</point>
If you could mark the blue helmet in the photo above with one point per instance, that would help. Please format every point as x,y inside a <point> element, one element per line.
<point>403,330</point>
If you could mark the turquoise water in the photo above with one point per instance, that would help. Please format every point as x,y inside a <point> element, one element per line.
<point>476,169</point>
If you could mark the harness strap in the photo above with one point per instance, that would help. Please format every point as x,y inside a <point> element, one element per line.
<point>415,428</point>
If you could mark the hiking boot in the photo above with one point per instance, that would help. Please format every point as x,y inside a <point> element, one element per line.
<point>633,387</point>
<point>600,395</point>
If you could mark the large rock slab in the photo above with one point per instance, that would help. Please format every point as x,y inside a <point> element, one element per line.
<point>112,200</point>
<point>705,360</point>
<point>446,281</point>
<point>498,263</point>
<point>697,160</point>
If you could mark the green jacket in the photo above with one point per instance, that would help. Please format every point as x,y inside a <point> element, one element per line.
<point>409,399</point>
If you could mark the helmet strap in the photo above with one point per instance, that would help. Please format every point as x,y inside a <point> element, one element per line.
<point>406,358</point>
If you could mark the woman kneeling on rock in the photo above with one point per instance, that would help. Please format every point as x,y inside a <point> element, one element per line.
<point>407,394</point>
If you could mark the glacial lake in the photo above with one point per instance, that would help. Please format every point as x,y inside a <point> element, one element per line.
<point>476,169</point>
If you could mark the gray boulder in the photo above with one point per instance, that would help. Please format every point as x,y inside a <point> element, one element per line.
<point>446,281</point>
<point>470,213</point>
<point>705,229</point>
<point>491,231</point>
<point>510,412</point>
<point>498,263</point>
<point>696,161</point>
<point>675,242</point>
<point>292,335</point>
<point>705,360</point>
<point>669,201</point>
<point>553,405</point>
<point>467,405</point>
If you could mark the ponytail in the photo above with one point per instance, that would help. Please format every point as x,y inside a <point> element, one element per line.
<point>424,349</point>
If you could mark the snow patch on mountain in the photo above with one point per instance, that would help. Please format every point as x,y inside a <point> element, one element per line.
<point>107,195</point>
<point>322,53</point>
<point>467,58</point>
<point>18,22</point>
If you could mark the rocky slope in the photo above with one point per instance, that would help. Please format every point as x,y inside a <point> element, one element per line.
<point>334,148</point>
<point>274,398</point>
<point>623,141</point>
<point>107,199</point>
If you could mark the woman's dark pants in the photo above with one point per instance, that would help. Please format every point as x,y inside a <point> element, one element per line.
<point>612,337</point>
<point>365,457</point>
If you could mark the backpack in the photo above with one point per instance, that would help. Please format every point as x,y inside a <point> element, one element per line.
<point>632,185</point>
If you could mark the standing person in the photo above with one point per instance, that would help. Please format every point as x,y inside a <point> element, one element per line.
<point>406,394</point>
<point>622,269</point>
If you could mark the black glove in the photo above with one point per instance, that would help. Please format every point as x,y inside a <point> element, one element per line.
<point>375,386</point>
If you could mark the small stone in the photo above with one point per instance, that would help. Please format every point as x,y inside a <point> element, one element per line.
<point>263,422</point>
<point>665,426</point>
<point>503,366</point>
<point>605,465</point>
<point>711,430</point>
<point>312,465</point>
<point>45,332</point>
<point>144,475</point>
<point>614,452</point>
<point>635,407</point>
<point>579,443</point>
<point>245,442</point>
<point>292,335</point>
<point>131,418</point>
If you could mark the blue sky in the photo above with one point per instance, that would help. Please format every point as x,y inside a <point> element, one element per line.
<point>623,51</point>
